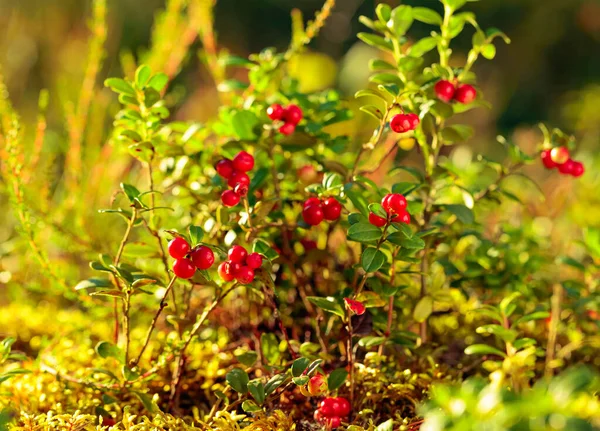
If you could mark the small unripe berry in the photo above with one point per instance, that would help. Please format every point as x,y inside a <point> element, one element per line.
<point>230,198</point>
<point>567,167</point>
<point>224,168</point>
<point>243,161</point>
<point>237,253</point>
<point>375,220</point>
<point>547,159</point>
<point>560,155</point>
<point>287,129</point>
<point>465,94</point>
<point>275,111</point>
<point>254,260</point>
<point>331,209</point>
<point>292,114</point>
<point>203,257</point>
<point>445,90</point>
<point>577,170</point>
<point>317,385</point>
<point>245,275</point>
<point>394,203</point>
<point>313,214</point>
<point>225,271</point>
<point>184,268</point>
<point>238,177</point>
<point>308,175</point>
<point>178,248</point>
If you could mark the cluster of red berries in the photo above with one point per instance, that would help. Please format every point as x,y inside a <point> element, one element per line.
<point>234,171</point>
<point>290,116</point>
<point>331,411</point>
<point>447,91</point>
<point>395,206</point>
<point>560,158</point>
<point>188,260</point>
<point>316,210</point>
<point>240,265</point>
<point>402,123</point>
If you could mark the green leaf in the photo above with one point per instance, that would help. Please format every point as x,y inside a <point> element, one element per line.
<point>377,209</point>
<point>109,350</point>
<point>372,259</point>
<point>247,358</point>
<point>427,16</point>
<point>299,366</point>
<point>257,390</point>
<point>275,382</point>
<point>243,123</point>
<point>386,78</point>
<point>464,214</point>
<point>376,41</point>
<point>300,381</point>
<point>238,380</point>
<point>196,235</point>
<point>364,232</point>
<point>327,304</point>
<point>336,378</point>
<point>378,64</point>
<point>386,426</point>
<point>372,341</point>
<point>143,151</point>
<point>142,76</point>
<point>507,335</point>
<point>131,192</point>
<point>402,19</point>
<point>373,111</point>
<point>250,406</point>
<point>457,133</point>
<point>263,247</point>
<point>147,402</point>
<point>93,283</point>
<point>483,349</point>
<point>158,81</point>
<point>423,309</point>
<point>537,315</point>
<point>454,4</point>
<point>405,238</point>
<point>121,86</point>
<point>488,51</point>
<point>270,347</point>
<point>384,12</point>
<point>408,64</point>
<point>422,47</point>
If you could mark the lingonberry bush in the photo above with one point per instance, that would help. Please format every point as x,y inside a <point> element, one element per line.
<point>265,278</point>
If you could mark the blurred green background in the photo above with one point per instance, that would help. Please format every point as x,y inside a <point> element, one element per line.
<point>551,71</point>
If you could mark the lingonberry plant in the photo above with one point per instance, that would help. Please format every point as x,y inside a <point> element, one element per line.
<point>328,274</point>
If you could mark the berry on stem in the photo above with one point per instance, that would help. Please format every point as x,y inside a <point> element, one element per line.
<point>465,94</point>
<point>225,271</point>
<point>243,161</point>
<point>312,201</point>
<point>375,220</point>
<point>445,90</point>
<point>287,129</point>
<point>414,121</point>
<point>254,260</point>
<point>331,209</point>
<point>241,189</point>
<point>238,177</point>
<point>394,203</point>
<point>292,114</point>
<point>184,268</point>
<point>230,198</point>
<point>178,248</point>
<point>341,406</point>
<point>567,167</point>
<point>245,275</point>
<point>224,168</point>
<point>275,111</point>
<point>403,217</point>
<point>203,257</point>
<point>547,159</point>
<point>578,169</point>
<point>313,214</point>
<point>560,155</point>
<point>237,253</point>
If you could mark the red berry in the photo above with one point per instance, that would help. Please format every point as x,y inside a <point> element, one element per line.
<point>234,267</point>
<point>331,209</point>
<point>287,129</point>
<point>445,90</point>
<point>375,220</point>
<point>341,407</point>
<point>184,268</point>
<point>334,422</point>
<point>241,189</point>
<point>308,244</point>
<point>230,198</point>
<point>559,155</point>
<point>394,203</point>
<point>275,111</point>
<point>224,168</point>
<point>577,170</point>
<point>108,421</point>
<point>203,257</point>
<point>178,248</point>
<point>237,253</point>
<point>245,275</point>
<point>400,123</point>
<point>567,167</point>
<point>243,161</point>
<point>414,121</point>
<point>254,260</point>
<point>465,94</point>
<point>547,159</point>
<point>225,271</point>
<point>403,217</point>
<point>318,416</point>
<point>238,177</point>
<point>313,214</point>
<point>293,114</point>
<point>312,201</point>
<point>326,407</point>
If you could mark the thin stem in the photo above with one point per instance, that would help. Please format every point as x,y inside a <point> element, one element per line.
<point>161,307</point>
<point>553,330</point>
